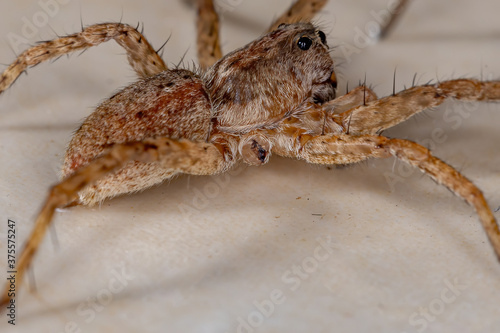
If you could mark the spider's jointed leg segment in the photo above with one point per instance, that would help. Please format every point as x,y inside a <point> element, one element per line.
<point>329,148</point>
<point>141,55</point>
<point>389,111</point>
<point>345,149</point>
<point>420,157</point>
<point>199,158</point>
<point>359,96</point>
<point>300,11</point>
<point>209,50</point>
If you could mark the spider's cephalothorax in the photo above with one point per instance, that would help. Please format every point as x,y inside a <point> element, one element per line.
<point>275,95</point>
<point>271,78</point>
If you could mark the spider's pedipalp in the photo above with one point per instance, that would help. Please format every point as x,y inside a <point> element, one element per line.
<point>389,111</point>
<point>255,148</point>
<point>199,158</point>
<point>141,55</point>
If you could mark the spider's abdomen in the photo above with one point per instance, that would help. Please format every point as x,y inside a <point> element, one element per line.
<point>171,104</point>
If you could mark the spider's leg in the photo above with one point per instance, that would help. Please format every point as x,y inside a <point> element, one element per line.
<point>141,56</point>
<point>420,157</point>
<point>186,156</point>
<point>321,119</point>
<point>389,111</point>
<point>395,15</point>
<point>300,11</point>
<point>354,98</point>
<point>209,50</point>
<point>344,149</point>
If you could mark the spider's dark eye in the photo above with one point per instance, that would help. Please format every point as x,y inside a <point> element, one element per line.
<point>322,36</point>
<point>304,43</point>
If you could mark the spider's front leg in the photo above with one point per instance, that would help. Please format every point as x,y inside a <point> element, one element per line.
<point>199,158</point>
<point>359,96</point>
<point>345,149</point>
<point>142,57</point>
<point>375,116</point>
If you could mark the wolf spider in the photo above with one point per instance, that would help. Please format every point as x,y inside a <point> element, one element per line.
<point>276,95</point>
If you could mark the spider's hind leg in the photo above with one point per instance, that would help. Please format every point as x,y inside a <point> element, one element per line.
<point>209,50</point>
<point>142,57</point>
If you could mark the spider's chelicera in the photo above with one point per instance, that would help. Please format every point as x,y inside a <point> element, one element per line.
<point>275,95</point>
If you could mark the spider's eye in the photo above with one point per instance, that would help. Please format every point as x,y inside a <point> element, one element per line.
<point>322,36</point>
<point>304,43</point>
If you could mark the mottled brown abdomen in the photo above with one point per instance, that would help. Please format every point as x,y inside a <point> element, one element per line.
<point>173,104</point>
